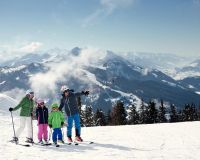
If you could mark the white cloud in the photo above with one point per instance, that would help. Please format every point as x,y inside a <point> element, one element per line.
<point>89,21</point>
<point>111,5</point>
<point>44,84</point>
<point>31,47</point>
<point>106,8</point>
<point>14,50</point>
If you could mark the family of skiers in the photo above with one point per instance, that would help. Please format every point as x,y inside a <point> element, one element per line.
<point>55,119</point>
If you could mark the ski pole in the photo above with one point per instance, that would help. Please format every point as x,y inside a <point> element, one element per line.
<point>50,133</point>
<point>32,129</point>
<point>13,127</point>
<point>63,134</point>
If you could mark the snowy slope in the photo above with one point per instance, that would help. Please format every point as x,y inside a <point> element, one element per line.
<point>165,62</point>
<point>178,141</point>
<point>6,101</point>
<point>188,71</point>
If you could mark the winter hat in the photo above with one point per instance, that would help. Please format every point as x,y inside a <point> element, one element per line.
<point>29,91</point>
<point>54,105</point>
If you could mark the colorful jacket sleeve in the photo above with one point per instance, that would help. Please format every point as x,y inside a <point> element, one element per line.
<point>19,105</point>
<point>78,94</point>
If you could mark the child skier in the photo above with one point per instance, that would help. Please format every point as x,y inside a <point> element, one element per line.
<point>69,102</point>
<point>42,117</point>
<point>56,121</point>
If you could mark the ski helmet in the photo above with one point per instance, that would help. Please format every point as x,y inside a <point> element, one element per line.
<point>29,92</point>
<point>40,101</point>
<point>54,105</point>
<point>64,88</point>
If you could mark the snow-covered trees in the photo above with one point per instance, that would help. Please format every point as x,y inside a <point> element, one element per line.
<point>118,114</point>
<point>145,114</point>
<point>99,118</point>
<point>88,116</point>
<point>133,115</point>
<point>173,114</point>
<point>162,113</point>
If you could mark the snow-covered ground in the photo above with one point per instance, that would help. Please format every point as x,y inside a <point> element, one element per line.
<point>143,142</point>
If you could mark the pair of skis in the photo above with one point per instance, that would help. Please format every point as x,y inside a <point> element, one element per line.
<point>20,144</point>
<point>29,145</point>
<point>70,143</point>
<point>74,143</point>
<point>57,145</point>
<point>77,143</point>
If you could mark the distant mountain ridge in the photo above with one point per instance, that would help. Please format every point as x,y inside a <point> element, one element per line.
<point>114,77</point>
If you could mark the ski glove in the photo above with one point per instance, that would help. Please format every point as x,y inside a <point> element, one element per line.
<point>62,123</point>
<point>50,125</point>
<point>10,109</point>
<point>87,92</point>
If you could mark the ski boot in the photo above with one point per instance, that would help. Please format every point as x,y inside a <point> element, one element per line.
<point>56,144</point>
<point>29,140</point>
<point>40,142</point>
<point>78,139</point>
<point>45,142</point>
<point>15,140</point>
<point>69,139</point>
<point>61,141</point>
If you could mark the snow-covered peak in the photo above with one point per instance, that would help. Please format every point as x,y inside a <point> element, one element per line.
<point>195,63</point>
<point>11,69</point>
<point>76,51</point>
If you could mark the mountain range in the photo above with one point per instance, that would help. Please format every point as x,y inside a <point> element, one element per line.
<point>127,77</point>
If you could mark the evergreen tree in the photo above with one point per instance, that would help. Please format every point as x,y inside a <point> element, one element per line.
<point>152,113</point>
<point>99,118</point>
<point>198,113</point>
<point>190,113</point>
<point>108,118</point>
<point>133,115</point>
<point>88,117</point>
<point>118,114</point>
<point>180,116</point>
<point>193,113</point>
<point>142,113</point>
<point>173,114</point>
<point>187,113</point>
<point>161,113</point>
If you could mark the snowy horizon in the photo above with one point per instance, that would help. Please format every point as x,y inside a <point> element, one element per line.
<point>30,50</point>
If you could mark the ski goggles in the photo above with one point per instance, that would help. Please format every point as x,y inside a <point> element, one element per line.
<point>42,103</point>
<point>31,93</point>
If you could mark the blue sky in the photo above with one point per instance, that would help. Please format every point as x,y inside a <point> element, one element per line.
<point>160,26</point>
